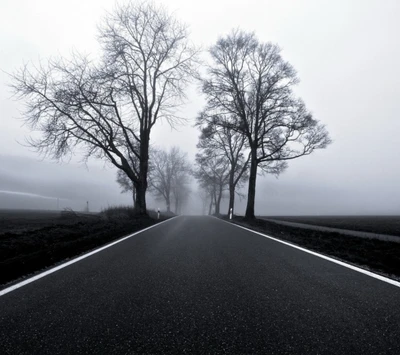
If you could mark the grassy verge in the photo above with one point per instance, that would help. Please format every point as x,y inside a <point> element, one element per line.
<point>30,250</point>
<point>371,224</point>
<point>379,256</point>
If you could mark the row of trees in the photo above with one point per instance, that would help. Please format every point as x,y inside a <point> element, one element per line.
<point>107,107</point>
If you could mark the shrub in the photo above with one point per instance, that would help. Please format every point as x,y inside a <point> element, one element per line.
<point>118,212</point>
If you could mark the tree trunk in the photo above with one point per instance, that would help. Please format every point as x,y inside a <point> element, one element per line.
<point>176,205</point>
<point>218,202</point>
<point>215,201</point>
<point>141,188</point>
<point>168,202</point>
<point>140,204</point>
<point>134,196</point>
<point>251,195</point>
<point>231,199</point>
<point>211,203</point>
<point>231,193</point>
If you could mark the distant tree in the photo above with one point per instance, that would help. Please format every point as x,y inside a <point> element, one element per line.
<point>249,90</point>
<point>180,189</point>
<point>228,144</point>
<point>212,173</point>
<point>108,107</point>
<point>204,196</point>
<point>169,176</point>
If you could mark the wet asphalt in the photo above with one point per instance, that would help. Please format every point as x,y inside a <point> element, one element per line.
<point>198,285</point>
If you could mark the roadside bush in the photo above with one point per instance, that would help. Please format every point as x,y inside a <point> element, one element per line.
<point>118,212</point>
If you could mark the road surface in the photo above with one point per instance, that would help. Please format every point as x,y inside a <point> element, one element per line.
<point>202,286</point>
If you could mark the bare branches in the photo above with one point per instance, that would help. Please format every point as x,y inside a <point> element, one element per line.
<point>153,58</point>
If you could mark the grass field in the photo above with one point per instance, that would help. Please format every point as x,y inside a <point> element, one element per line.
<point>389,225</point>
<point>19,221</point>
<point>33,240</point>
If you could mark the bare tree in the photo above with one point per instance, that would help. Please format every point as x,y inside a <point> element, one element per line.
<point>226,142</point>
<point>249,90</point>
<point>169,176</point>
<point>212,173</point>
<point>108,108</point>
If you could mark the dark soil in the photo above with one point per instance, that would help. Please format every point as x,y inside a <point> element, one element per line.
<point>376,255</point>
<point>373,224</point>
<point>31,247</point>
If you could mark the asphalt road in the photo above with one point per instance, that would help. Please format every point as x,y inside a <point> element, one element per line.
<point>200,285</point>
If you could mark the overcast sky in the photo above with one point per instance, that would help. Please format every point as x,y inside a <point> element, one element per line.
<point>347,55</point>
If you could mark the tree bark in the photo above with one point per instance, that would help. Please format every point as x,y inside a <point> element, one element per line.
<point>134,196</point>
<point>218,201</point>
<point>231,199</point>
<point>211,203</point>
<point>231,193</point>
<point>251,195</point>
<point>168,202</point>
<point>215,201</point>
<point>140,206</point>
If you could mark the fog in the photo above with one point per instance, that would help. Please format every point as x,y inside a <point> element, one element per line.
<point>346,54</point>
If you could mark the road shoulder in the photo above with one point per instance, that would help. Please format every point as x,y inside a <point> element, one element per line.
<point>377,256</point>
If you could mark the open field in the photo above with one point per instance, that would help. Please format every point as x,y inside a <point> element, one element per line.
<point>33,240</point>
<point>389,225</point>
<point>379,256</point>
<point>20,221</point>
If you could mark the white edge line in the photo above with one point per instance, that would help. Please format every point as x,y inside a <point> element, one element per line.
<point>349,266</point>
<point>73,261</point>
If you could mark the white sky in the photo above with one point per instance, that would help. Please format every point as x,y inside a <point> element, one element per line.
<point>346,53</point>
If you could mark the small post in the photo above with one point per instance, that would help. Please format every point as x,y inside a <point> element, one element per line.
<point>230,213</point>
<point>158,214</point>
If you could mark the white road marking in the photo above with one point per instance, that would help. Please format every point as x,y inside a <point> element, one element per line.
<point>73,261</point>
<point>349,266</point>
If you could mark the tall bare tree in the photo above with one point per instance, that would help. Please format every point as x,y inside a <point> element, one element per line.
<point>169,176</point>
<point>108,108</point>
<point>249,89</point>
